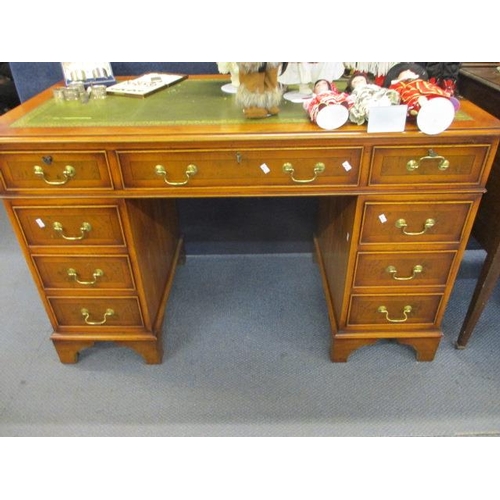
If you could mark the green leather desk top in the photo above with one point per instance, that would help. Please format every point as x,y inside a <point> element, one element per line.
<point>189,102</point>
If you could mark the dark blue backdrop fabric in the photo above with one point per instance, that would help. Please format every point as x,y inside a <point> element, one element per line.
<point>33,77</point>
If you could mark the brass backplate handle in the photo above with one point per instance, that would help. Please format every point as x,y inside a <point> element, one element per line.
<point>406,311</point>
<point>190,171</point>
<point>68,173</point>
<point>401,224</point>
<point>98,273</point>
<point>86,316</point>
<point>443,164</point>
<point>84,229</point>
<point>393,271</point>
<point>319,168</point>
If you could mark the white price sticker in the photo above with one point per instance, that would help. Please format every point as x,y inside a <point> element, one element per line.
<point>382,218</point>
<point>347,166</point>
<point>265,168</point>
<point>40,223</point>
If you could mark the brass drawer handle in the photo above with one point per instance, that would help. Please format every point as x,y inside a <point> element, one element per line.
<point>68,172</point>
<point>86,227</point>
<point>412,165</point>
<point>401,224</point>
<point>406,311</point>
<point>190,171</point>
<point>98,273</point>
<point>319,168</point>
<point>86,315</point>
<point>416,270</point>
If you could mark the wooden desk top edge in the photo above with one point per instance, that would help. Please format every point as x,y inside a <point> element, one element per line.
<point>482,123</point>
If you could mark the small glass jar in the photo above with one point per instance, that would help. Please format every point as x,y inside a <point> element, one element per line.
<point>71,94</point>
<point>59,94</point>
<point>98,91</point>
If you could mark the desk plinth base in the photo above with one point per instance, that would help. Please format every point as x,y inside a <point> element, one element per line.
<point>150,350</point>
<point>343,345</point>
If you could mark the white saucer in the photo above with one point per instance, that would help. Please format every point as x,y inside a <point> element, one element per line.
<point>332,117</point>
<point>435,116</point>
<point>298,97</point>
<point>229,88</point>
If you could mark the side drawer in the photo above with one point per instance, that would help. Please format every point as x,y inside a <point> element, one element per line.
<point>96,313</point>
<point>414,222</point>
<point>160,169</point>
<point>58,170</point>
<point>407,269</point>
<point>432,164</point>
<point>76,225</point>
<point>393,310</point>
<point>78,272</point>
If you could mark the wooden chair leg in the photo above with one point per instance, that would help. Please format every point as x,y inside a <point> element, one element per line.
<point>484,288</point>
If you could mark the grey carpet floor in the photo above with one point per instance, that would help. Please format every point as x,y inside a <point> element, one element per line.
<point>246,338</point>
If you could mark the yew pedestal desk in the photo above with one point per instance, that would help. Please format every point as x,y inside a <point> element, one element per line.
<point>91,189</point>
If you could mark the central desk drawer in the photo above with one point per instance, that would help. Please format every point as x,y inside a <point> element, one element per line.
<point>96,313</point>
<point>76,225</point>
<point>414,222</point>
<point>158,169</point>
<point>433,164</point>
<point>86,273</point>
<point>58,170</point>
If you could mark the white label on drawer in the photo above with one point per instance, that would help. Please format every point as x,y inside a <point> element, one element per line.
<point>40,223</point>
<point>265,168</point>
<point>382,218</point>
<point>347,166</point>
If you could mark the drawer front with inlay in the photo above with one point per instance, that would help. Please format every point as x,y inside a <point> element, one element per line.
<point>84,273</point>
<point>96,313</point>
<point>408,269</point>
<point>433,164</point>
<point>158,169</point>
<point>61,171</point>
<point>394,311</point>
<point>64,226</point>
<point>415,222</point>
